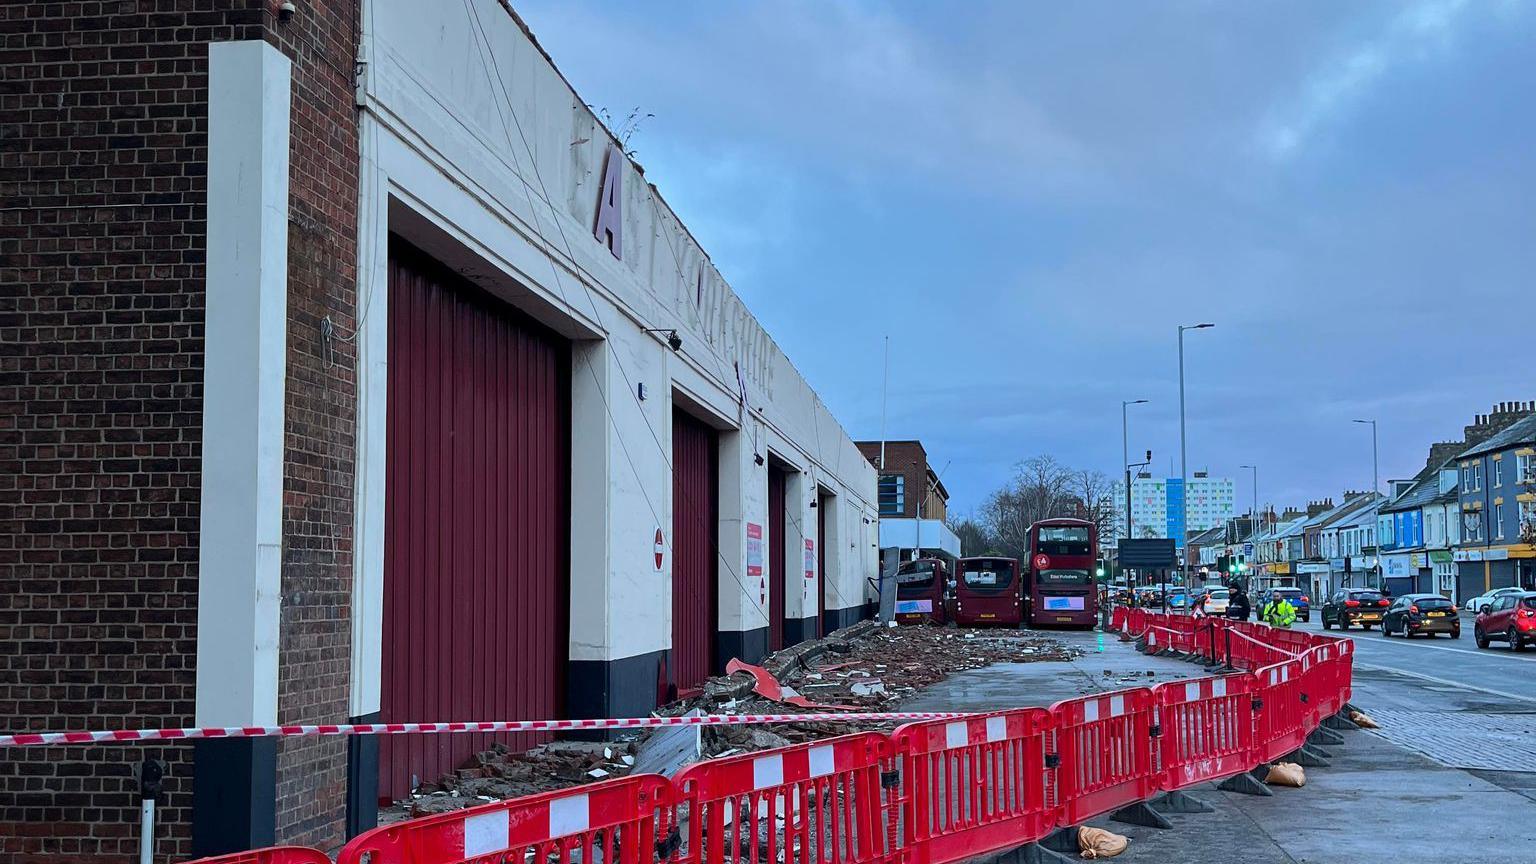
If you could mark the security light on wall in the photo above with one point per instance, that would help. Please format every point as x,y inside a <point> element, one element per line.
<point>674,341</point>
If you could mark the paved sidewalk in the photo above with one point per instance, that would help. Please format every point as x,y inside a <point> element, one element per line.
<point>1377,802</point>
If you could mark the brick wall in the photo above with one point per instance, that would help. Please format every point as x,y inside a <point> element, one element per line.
<point>314,673</point>
<point>909,459</point>
<point>103,125</point>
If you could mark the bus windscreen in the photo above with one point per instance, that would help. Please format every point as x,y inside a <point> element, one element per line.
<point>987,575</point>
<point>1064,540</point>
<point>914,576</point>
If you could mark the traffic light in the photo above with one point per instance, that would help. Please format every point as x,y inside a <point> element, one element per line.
<point>1224,564</point>
<point>1242,564</point>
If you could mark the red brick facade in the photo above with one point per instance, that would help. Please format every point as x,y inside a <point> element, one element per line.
<point>909,459</point>
<point>102,245</point>
<point>314,672</point>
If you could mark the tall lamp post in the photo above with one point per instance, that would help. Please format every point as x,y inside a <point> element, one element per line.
<point>1253,515</point>
<point>1184,452</point>
<point>1375,473</point>
<point>1125,456</point>
<point>1255,510</point>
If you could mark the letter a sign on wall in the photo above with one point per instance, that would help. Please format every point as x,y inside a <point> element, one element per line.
<point>609,229</point>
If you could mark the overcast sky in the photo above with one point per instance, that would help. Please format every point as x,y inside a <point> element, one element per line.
<point>1029,197</point>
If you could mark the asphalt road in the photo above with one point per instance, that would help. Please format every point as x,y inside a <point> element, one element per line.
<point>1441,660</point>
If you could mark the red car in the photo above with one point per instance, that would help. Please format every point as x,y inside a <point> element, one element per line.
<point>1510,618</point>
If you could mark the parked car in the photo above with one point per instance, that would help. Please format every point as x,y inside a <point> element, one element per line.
<point>1483,601</point>
<point>1299,600</point>
<point>1216,600</point>
<point>1412,614</point>
<point>1363,606</point>
<point>1511,619</point>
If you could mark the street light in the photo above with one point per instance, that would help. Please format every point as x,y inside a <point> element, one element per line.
<point>1375,473</point>
<point>1255,510</point>
<point>1125,456</point>
<point>1184,449</point>
<point>1253,515</point>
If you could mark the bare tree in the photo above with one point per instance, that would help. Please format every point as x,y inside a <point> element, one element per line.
<point>1096,495</point>
<point>974,537</point>
<point>1040,489</point>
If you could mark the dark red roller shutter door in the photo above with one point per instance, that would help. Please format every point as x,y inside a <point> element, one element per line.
<point>778,577</point>
<point>821,565</point>
<point>477,503</point>
<point>695,526</point>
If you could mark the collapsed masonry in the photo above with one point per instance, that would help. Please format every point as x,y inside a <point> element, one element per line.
<point>865,667</point>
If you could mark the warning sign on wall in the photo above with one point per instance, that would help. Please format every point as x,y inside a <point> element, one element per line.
<point>810,559</point>
<point>754,549</point>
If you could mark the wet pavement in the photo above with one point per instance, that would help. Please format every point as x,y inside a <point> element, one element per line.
<point>1105,664</point>
<point>1381,800</point>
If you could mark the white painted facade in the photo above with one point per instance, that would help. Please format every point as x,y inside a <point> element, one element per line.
<point>912,534</point>
<point>244,377</point>
<point>476,150</point>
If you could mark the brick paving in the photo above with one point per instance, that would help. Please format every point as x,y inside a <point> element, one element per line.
<point>1461,739</point>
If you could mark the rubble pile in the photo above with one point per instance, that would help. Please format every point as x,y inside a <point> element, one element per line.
<point>865,668</point>
<point>872,669</point>
<point>500,773</point>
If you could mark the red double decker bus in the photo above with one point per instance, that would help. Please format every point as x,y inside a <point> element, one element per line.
<point>1061,563</point>
<point>988,591</point>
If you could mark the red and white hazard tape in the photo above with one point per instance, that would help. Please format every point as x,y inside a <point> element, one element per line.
<point>36,739</point>
<point>1277,649</point>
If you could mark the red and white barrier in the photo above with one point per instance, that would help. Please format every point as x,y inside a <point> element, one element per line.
<point>949,788</point>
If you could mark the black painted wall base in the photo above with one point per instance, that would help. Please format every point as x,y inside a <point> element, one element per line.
<point>837,619</point>
<point>749,645</point>
<point>362,779</point>
<point>234,794</point>
<point>626,687</point>
<point>797,630</point>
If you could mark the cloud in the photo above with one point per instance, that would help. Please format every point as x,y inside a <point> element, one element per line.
<point>845,84</point>
<point>1331,91</point>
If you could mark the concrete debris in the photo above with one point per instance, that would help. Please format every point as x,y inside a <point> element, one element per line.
<point>500,773</point>
<point>865,667</point>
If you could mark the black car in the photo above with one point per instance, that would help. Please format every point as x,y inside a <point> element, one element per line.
<point>1363,606</point>
<point>1412,614</point>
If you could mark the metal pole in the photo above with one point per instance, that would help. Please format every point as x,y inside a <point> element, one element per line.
<point>885,389</point>
<point>1183,466</point>
<point>1375,471</point>
<point>147,831</point>
<point>1184,455</point>
<point>1125,460</point>
<point>151,775</point>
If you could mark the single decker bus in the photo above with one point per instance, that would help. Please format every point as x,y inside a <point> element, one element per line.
<point>989,591</point>
<point>1062,590</point>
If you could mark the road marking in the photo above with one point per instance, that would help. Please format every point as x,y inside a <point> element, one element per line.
<point>1446,681</point>
<point>1476,652</point>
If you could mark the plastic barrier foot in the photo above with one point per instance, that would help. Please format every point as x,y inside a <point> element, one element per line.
<point>1322,736</point>
<point>1058,847</point>
<point>1141,814</point>
<point>1180,802</point>
<point>1339,722</point>
<point>1307,757</point>
<point>1246,784</point>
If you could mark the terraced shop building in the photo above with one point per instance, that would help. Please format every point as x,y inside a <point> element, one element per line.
<point>353,373</point>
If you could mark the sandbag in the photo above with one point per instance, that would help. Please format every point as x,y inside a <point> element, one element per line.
<point>1363,720</point>
<point>1286,774</point>
<point>1098,843</point>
